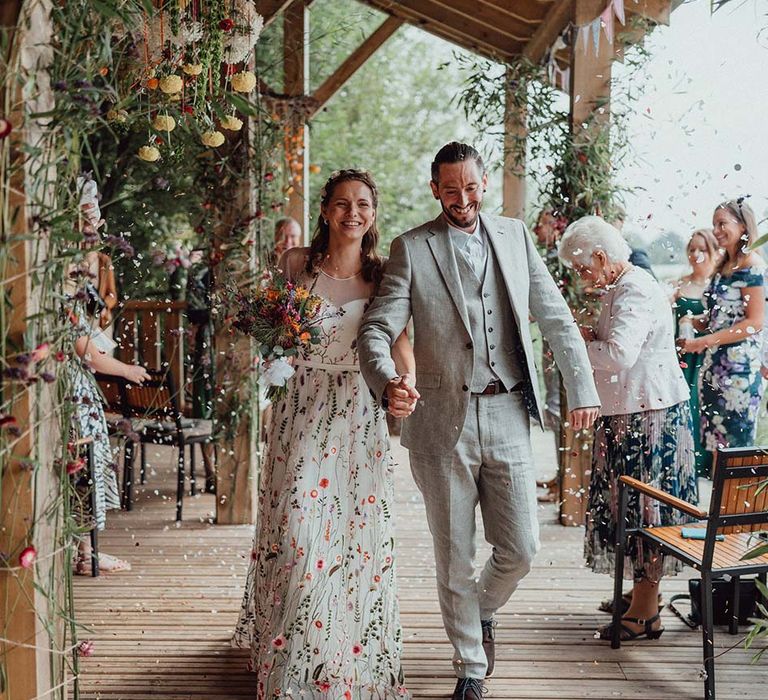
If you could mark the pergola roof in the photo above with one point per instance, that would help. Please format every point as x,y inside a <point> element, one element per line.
<point>502,29</point>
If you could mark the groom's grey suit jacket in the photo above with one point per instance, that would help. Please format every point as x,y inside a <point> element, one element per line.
<point>422,281</point>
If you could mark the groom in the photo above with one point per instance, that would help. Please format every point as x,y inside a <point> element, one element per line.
<point>470,281</point>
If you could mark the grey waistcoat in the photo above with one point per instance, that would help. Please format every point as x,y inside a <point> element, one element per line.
<point>495,337</point>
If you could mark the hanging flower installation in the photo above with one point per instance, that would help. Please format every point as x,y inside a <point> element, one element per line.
<point>180,51</point>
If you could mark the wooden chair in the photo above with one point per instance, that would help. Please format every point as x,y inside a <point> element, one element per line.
<point>739,507</point>
<point>156,402</point>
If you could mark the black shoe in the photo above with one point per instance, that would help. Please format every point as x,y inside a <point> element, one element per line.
<point>489,644</point>
<point>469,689</point>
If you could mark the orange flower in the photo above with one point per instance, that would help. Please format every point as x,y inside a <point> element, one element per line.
<point>153,83</point>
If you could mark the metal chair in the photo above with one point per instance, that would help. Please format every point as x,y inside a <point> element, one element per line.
<point>739,507</point>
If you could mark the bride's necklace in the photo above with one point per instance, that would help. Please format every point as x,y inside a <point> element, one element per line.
<point>336,269</point>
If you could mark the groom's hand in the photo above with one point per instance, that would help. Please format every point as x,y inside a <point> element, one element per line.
<point>581,418</point>
<point>401,396</point>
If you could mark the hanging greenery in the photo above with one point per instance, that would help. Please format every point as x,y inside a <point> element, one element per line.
<point>86,100</point>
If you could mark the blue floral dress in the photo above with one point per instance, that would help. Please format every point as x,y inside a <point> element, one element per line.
<point>730,383</point>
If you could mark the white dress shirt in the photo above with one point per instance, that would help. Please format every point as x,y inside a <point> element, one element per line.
<point>633,355</point>
<point>472,246</point>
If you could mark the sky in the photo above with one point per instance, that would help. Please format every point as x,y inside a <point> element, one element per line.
<point>699,128</point>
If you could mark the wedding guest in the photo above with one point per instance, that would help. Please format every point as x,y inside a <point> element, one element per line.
<point>645,429</point>
<point>688,302</point>
<point>287,235</point>
<point>93,353</point>
<point>731,385</point>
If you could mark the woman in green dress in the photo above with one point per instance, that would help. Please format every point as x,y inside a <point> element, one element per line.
<point>730,384</point>
<point>688,302</point>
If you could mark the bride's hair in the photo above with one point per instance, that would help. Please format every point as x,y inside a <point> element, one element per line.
<point>371,261</point>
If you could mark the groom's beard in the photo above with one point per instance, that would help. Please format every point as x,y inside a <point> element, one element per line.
<point>465,221</point>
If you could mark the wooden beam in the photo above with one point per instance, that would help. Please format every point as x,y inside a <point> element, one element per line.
<point>657,11</point>
<point>296,84</point>
<point>556,20</point>
<point>459,35</point>
<point>355,61</point>
<point>590,70</point>
<point>506,7</point>
<point>270,9</point>
<point>485,15</point>
<point>513,181</point>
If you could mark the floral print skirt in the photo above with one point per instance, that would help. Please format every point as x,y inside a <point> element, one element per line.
<point>655,447</point>
<point>320,612</point>
<point>731,388</point>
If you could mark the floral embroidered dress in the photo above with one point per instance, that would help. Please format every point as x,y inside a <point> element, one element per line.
<point>320,612</point>
<point>730,383</point>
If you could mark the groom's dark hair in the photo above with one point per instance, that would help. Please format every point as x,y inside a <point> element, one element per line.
<point>455,152</point>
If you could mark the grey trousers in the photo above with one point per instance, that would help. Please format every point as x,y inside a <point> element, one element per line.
<point>491,465</point>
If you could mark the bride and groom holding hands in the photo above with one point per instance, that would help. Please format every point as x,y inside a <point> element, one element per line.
<point>320,612</point>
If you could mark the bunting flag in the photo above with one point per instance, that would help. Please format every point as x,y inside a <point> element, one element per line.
<point>618,9</point>
<point>584,32</point>
<point>596,26</point>
<point>581,34</point>
<point>606,20</point>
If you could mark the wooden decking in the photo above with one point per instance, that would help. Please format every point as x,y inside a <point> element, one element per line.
<point>162,629</point>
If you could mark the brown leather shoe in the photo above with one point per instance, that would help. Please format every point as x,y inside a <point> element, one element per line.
<point>489,644</point>
<point>469,689</point>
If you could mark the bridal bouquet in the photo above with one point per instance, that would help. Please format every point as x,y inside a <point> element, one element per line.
<point>284,318</point>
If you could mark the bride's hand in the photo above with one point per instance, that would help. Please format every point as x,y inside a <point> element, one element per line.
<point>401,396</point>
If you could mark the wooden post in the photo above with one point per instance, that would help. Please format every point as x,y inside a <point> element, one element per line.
<point>234,402</point>
<point>30,671</point>
<point>515,135</point>
<point>590,71</point>
<point>590,101</point>
<point>296,84</point>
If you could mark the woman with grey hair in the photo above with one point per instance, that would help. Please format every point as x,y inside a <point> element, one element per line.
<point>645,426</point>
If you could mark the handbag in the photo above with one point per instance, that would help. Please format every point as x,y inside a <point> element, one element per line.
<point>721,601</point>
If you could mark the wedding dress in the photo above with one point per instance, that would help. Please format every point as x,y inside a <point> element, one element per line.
<point>320,612</point>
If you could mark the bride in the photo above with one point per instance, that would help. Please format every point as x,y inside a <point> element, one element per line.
<point>320,613</point>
